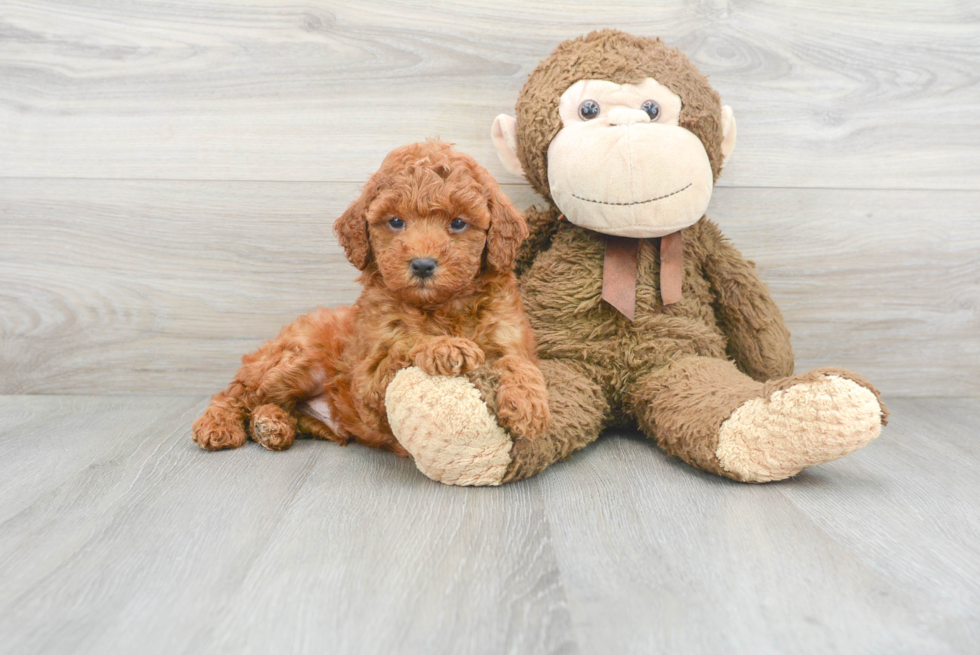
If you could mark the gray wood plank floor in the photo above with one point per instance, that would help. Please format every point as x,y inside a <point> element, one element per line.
<point>118,535</point>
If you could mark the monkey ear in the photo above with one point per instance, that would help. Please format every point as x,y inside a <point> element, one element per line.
<point>352,229</point>
<point>504,135</point>
<point>728,133</point>
<point>508,229</point>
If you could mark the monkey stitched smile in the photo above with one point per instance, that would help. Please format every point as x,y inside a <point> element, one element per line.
<point>638,202</point>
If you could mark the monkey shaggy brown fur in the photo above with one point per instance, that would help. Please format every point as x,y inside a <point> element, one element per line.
<point>465,315</point>
<point>670,370</point>
<point>679,371</point>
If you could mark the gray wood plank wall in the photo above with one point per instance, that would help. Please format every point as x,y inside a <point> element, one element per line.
<point>169,171</point>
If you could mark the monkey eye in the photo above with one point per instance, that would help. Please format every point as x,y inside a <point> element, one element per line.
<point>396,223</point>
<point>588,110</point>
<point>457,225</point>
<point>651,108</point>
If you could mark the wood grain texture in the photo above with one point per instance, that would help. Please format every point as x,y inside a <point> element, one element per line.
<point>142,543</point>
<point>883,282</point>
<point>160,287</point>
<point>117,534</point>
<point>872,95</point>
<point>169,173</point>
<point>876,552</point>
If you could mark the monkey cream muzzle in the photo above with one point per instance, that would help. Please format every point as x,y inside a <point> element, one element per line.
<point>635,202</point>
<point>631,179</point>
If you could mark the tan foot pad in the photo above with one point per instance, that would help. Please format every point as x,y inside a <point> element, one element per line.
<point>809,423</point>
<point>446,427</point>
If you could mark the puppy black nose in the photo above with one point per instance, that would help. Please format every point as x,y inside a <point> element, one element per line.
<point>423,267</point>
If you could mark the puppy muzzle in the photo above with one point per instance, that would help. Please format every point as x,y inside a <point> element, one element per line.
<point>423,267</point>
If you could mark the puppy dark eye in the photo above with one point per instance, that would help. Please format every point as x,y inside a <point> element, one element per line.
<point>651,108</point>
<point>457,225</point>
<point>588,110</point>
<point>396,224</point>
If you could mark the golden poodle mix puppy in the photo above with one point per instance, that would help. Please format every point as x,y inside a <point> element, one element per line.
<point>435,239</point>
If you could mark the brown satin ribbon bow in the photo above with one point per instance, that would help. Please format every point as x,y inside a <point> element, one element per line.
<point>619,271</point>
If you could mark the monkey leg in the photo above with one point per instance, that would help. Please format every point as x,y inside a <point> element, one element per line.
<point>454,437</point>
<point>579,412</point>
<point>713,416</point>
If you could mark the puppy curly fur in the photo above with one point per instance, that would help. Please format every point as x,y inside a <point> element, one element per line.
<point>466,317</point>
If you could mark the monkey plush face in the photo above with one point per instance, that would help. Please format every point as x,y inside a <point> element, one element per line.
<point>623,133</point>
<point>622,164</point>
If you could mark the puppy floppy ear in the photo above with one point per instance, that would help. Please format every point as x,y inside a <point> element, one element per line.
<point>352,227</point>
<point>507,228</point>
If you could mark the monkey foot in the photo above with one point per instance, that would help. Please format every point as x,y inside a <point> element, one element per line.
<point>447,429</point>
<point>812,422</point>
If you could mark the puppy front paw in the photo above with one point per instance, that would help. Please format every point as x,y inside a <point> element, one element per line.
<point>447,356</point>
<point>524,411</point>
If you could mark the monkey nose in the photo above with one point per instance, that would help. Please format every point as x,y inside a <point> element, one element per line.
<point>423,267</point>
<point>627,116</point>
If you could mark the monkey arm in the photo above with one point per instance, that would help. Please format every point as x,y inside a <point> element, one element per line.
<point>542,225</point>
<point>758,340</point>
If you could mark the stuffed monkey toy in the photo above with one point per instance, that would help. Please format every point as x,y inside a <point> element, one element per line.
<point>645,315</point>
